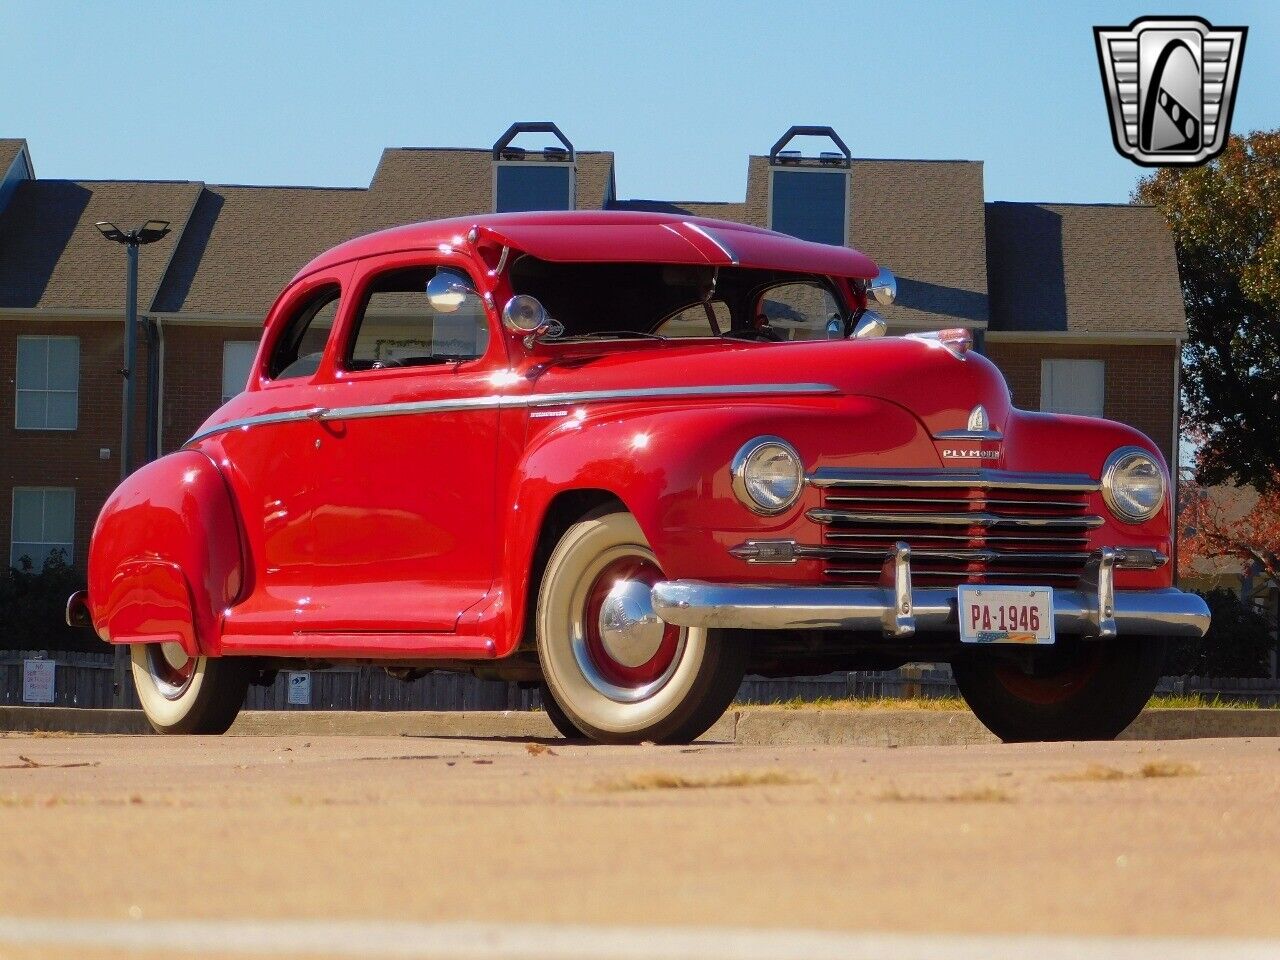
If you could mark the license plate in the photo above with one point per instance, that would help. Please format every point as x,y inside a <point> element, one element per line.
<point>1005,614</point>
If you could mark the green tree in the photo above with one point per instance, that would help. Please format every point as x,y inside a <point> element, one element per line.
<point>33,607</point>
<point>1225,218</point>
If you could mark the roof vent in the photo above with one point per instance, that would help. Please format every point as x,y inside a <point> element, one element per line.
<point>503,150</point>
<point>533,178</point>
<point>780,154</point>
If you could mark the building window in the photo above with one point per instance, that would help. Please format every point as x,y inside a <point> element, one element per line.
<point>811,203</point>
<point>44,520</point>
<point>533,184</point>
<point>237,358</point>
<point>1072,386</point>
<point>48,382</point>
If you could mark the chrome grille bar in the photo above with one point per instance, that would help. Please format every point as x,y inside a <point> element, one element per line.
<point>951,519</point>
<point>953,501</point>
<point>977,556</point>
<point>970,479</point>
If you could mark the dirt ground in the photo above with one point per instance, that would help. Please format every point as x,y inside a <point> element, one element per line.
<point>1167,839</point>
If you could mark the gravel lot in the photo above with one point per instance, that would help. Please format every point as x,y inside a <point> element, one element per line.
<point>1157,839</point>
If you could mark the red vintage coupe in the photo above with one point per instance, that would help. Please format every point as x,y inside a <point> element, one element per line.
<point>631,457</point>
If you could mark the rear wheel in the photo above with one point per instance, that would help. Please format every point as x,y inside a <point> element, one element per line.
<point>616,671</point>
<point>185,694</point>
<point>1086,691</point>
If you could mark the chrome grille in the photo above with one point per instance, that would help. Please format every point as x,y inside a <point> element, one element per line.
<point>981,526</point>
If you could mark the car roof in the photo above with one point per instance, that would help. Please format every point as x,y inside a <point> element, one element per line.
<point>615,236</point>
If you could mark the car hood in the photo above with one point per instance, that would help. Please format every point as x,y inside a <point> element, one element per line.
<point>938,387</point>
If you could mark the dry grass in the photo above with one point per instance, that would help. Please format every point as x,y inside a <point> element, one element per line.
<point>1184,701</point>
<point>664,780</point>
<point>1096,772</point>
<point>1197,701</point>
<point>1167,768</point>
<point>980,794</point>
<point>865,703</point>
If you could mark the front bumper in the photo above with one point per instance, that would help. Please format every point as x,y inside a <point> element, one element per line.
<point>1095,609</point>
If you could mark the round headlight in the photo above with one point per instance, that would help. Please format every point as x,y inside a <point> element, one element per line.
<point>1133,484</point>
<point>767,475</point>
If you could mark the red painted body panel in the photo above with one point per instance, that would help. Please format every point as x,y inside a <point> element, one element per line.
<point>412,535</point>
<point>165,558</point>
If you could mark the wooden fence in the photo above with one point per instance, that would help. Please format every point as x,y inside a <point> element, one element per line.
<point>85,680</point>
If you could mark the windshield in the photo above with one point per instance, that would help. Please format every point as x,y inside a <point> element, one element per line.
<point>605,300</point>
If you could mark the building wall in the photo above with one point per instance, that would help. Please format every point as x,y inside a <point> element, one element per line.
<point>1139,384</point>
<point>70,458</point>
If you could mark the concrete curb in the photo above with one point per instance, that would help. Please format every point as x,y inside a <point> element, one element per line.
<point>761,726</point>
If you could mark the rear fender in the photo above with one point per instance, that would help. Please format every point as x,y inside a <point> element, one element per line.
<point>166,556</point>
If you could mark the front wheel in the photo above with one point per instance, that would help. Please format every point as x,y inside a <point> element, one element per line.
<point>1088,690</point>
<point>617,672</point>
<point>185,694</point>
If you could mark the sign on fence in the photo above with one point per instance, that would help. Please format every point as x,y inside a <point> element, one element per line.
<point>299,688</point>
<point>37,681</point>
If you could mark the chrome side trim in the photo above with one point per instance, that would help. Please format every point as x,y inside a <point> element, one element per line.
<point>503,401</point>
<point>724,247</point>
<point>969,435</point>
<point>978,479</point>
<point>665,393</point>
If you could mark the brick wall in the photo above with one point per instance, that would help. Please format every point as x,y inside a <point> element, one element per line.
<point>70,458</point>
<point>1138,388</point>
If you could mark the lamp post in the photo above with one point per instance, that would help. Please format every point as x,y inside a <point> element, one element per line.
<point>149,232</point>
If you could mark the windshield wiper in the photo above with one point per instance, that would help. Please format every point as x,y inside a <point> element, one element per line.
<point>612,335</point>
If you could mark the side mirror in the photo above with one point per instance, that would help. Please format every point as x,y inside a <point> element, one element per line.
<point>883,288</point>
<point>448,289</point>
<point>870,324</point>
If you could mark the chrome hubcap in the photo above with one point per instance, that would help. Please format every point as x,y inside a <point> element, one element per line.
<point>171,669</point>
<point>630,631</point>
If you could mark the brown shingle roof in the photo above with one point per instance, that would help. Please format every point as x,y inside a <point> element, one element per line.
<point>243,244</point>
<point>921,219</point>
<point>1082,268</point>
<point>9,150</point>
<point>52,255</point>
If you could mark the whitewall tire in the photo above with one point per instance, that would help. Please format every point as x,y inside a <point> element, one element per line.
<point>616,671</point>
<point>182,694</point>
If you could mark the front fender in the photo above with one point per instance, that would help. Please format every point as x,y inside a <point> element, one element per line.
<point>166,558</point>
<point>669,465</point>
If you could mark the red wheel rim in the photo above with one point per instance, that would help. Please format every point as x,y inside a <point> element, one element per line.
<point>1054,689</point>
<point>645,571</point>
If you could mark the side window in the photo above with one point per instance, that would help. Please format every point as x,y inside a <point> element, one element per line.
<point>694,321</point>
<point>801,311</point>
<point>298,351</point>
<point>398,325</point>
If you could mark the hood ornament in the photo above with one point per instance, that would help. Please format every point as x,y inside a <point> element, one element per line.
<point>978,428</point>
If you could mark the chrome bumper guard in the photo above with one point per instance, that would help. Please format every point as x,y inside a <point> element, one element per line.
<point>1095,609</point>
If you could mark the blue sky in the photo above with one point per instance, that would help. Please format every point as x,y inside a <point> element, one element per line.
<point>310,93</point>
